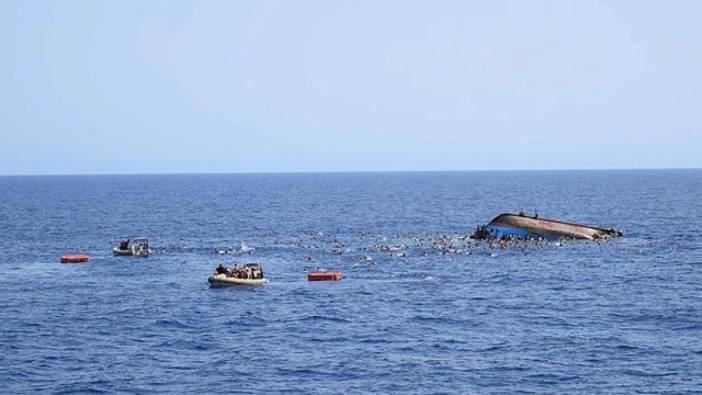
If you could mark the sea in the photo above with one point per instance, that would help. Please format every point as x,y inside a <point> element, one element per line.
<point>421,308</point>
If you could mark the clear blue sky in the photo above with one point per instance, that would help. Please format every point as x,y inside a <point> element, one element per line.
<point>239,86</point>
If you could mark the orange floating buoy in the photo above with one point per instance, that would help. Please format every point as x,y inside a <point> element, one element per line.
<point>75,258</point>
<point>324,276</point>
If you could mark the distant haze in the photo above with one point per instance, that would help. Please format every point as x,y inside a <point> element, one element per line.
<point>248,86</point>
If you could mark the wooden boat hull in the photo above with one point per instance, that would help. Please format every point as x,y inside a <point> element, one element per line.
<point>513,225</point>
<point>223,279</point>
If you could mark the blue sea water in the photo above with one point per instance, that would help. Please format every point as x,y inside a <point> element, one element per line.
<point>618,317</point>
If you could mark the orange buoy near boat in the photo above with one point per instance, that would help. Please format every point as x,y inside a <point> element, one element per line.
<point>324,276</point>
<point>75,258</point>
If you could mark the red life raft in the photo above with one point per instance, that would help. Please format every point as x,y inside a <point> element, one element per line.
<point>75,258</point>
<point>324,276</point>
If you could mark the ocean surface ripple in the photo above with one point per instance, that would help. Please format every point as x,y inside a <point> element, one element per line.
<point>623,316</point>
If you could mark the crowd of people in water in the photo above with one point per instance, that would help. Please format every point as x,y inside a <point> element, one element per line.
<point>370,248</point>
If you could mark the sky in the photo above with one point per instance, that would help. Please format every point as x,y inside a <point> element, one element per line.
<point>100,87</point>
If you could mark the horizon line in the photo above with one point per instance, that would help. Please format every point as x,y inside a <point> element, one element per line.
<point>341,172</point>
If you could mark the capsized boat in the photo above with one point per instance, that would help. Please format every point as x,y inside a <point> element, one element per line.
<point>249,274</point>
<point>522,226</point>
<point>139,246</point>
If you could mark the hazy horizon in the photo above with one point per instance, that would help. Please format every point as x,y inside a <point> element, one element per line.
<point>353,172</point>
<point>350,86</point>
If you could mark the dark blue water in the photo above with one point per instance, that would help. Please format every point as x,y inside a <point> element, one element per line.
<point>618,317</point>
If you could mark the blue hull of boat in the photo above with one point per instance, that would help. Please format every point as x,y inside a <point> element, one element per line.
<point>521,226</point>
<point>499,232</point>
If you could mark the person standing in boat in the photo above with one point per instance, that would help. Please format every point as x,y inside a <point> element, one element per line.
<point>221,269</point>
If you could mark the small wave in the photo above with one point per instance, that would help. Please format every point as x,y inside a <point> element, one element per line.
<point>443,320</point>
<point>247,321</point>
<point>507,369</point>
<point>377,340</point>
<point>173,323</point>
<point>82,388</point>
<point>641,373</point>
<point>549,378</point>
<point>317,317</point>
<point>335,339</point>
<point>496,347</point>
<point>626,347</point>
<point>296,372</point>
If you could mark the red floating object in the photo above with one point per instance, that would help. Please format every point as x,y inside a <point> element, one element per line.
<point>75,258</point>
<point>324,276</point>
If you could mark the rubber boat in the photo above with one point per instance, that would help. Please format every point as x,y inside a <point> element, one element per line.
<point>139,246</point>
<point>75,258</point>
<point>249,274</point>
<point>522,226</point>
<point>223,279</point>
<point>324,276</point>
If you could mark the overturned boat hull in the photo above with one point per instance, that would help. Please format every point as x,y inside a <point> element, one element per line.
<point>521,226</point>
